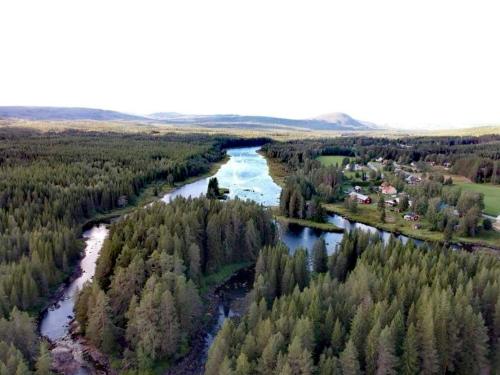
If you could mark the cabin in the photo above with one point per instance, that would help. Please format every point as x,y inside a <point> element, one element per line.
<point>447,165</point>
<point>413,180</point>
<point>388,189</point>
<point>357,189</point>
<point>391,203</point>
<point>361,198</point>
<point>411,217</point>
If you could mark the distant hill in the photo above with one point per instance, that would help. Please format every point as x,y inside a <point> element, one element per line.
<point>63,113</point>
<point>472,131</point>
<point>346,120</point>
<point>332,122</point>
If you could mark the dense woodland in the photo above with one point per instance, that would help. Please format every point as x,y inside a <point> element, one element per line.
<point>365,309</point>
<point>145,300</point>
<point>476,158</point>
<point>369,308</point>
<point>51,183</point>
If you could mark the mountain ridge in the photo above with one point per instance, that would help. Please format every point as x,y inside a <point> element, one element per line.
<point>65,113</point>
<point>335,121</point>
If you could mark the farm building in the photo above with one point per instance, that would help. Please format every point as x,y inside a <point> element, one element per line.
<point>412,179</point>
<point>411,217</point>
<point>361,198</point>
<point>388,189</point>
<point>391,203</point>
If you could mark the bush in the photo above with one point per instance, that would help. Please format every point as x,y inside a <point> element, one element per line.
<point>487,224</point>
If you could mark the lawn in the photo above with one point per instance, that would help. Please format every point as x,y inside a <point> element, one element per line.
<point>328,160</point>
<point>491,196</point>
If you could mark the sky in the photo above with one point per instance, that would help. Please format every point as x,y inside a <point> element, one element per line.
<point>410,64</point>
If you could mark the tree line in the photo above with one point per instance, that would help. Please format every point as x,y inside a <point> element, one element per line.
<point>144,300</point>
<point>308,186</point>
<point>369,308</point>
<point>476,158</point>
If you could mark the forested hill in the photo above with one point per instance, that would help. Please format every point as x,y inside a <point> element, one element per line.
<point>49,185</point>
<point>144,299</point>
<point>367,309</point>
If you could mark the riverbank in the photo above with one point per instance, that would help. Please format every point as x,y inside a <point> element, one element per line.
<point>325,227</point>
<point>394,224</point>
<point>148,196</point>
<point>397,225</point>
<point>69,349</point>
<point>192,363</point>
<point>277,170</point>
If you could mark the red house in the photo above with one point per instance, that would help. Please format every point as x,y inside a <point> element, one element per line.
<point>361,198</point>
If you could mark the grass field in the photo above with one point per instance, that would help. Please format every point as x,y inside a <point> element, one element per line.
<point>328,160</point>
<point>491,195</point>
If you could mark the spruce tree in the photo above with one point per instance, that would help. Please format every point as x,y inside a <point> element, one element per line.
<point>320,256</point>
<point>409,360</point>
<point>349,360</point>
<point>243,367</point>
<point>299,358</point>
<point>43,362</point>
<point>387,361</point>
<point>427,342</point>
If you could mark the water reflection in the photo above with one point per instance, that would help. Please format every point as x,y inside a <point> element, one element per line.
<point>55,323</point>
<point>295,236</point>
<point>342,222</point>
<point>246,174</point>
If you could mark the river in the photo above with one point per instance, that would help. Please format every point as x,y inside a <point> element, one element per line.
<point>246,174</point>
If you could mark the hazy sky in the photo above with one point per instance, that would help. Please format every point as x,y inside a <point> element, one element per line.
<point>402,63</point>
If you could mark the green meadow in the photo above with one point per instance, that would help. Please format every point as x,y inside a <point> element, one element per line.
<point>491,196</point>
<point>328,160</point>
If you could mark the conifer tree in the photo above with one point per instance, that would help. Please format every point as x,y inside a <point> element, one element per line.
<point>100,328</point>
<point>372,349</point>
<point>349,360</point>
<point>387,361</point>
<point>243,367</point>
<point>320,256</point>
<point>43,362</point>
<point>299,358</point>
<point>409,360</point>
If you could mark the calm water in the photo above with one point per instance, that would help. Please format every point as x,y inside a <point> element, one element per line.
<point>246,175</point>
<point>55,322</point>
<point>295,236</point>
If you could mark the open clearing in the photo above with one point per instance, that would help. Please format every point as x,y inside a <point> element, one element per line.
<point>491,195</point>
<point>328,160</point>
